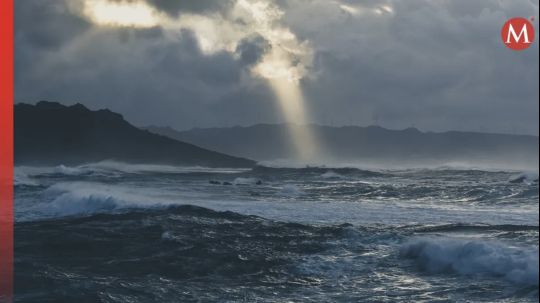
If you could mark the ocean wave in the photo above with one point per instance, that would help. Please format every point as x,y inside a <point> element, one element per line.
<point>331,175</point>
<point>472,257</point>
<point>316,171</point>
<point>168,250</point>
<point>290,190</point>
<point>20,178</point>
<point>108,168</point>
<point>72,171</point>
<point>60,170</point>
<point>158,168</point>
<point>524,177</point>
<point>85,198</point>
<point>247,181</point>
<point>458,227</point>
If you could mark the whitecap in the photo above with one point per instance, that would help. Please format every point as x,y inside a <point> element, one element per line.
<point>290,190</point>
<point>20,178</point>
<point>469,257</point>
<point>524,177</point>
<point>246,181</point>
<point>331,175</point>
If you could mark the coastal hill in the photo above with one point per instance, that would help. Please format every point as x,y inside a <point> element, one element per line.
<point>50,133</point>
<point>372,144</point>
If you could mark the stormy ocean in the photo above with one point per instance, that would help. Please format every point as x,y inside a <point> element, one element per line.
<point>112,232</point>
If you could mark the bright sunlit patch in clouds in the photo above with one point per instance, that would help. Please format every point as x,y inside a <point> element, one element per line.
<point>387,8</point>
<point>288,57</point>
<point>285,62</point>
<point>384,9</point>
<point>121,13</point>
<point>358,9</point>
<point>277,64</point>
<point>350,9</point>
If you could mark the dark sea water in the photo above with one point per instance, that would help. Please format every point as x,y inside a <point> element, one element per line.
<point>112,232</point>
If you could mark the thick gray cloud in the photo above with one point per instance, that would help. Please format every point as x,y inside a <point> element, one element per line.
<point>46,24</point>
<point>143,75</point>
<point>436,65</point>
<point>251,50</point>
<point>198,6</point>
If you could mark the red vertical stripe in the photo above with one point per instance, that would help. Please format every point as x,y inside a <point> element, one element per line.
<point>6,150</point>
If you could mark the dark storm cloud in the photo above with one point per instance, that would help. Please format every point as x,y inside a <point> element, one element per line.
<point>176,87</point>
<point>141,74</point>
<point>436,65</point>
<point>46,24</point>
<point>252,49</point>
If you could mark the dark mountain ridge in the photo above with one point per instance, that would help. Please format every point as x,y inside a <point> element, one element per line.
<point>366,144</point>
<point>50,133</point>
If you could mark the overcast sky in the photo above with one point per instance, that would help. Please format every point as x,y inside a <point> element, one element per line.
<point>435,65</point>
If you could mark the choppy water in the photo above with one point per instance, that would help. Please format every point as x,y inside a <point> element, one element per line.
<point>111,232</point>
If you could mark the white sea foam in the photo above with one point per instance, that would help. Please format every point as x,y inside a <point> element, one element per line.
<point>290,190</point>
<point>71,171</point>
<point>331,175</point>
<point>109,168</point>
<point>20,178</point>
<point>245,181</point>
<point>470,257</point>
<point>81,198</point>
<point>40,171</point>
<point>156,168</point>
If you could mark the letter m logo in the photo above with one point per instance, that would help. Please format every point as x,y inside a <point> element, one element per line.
<point>517,33</point>
<point>517,38</point>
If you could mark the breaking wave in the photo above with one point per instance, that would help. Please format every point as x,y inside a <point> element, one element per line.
<point>317,171</point>
<point>22,179</point>
<point>524,177</point>
<point>86,198</point>
<point>471,257</point>
<point>108,168</point>
<point>331,175</point>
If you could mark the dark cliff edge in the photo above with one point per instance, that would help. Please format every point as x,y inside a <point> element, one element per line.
<point>50,133</point>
